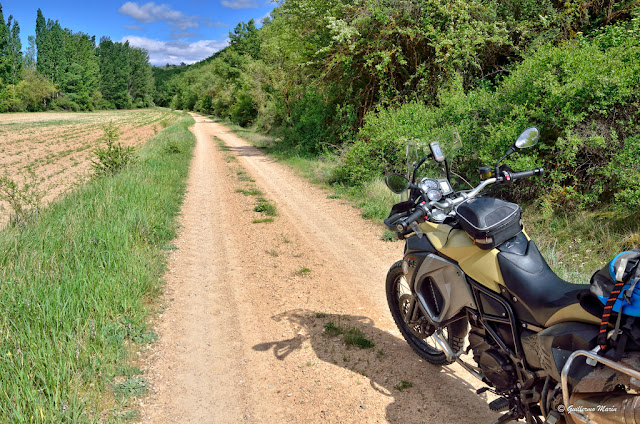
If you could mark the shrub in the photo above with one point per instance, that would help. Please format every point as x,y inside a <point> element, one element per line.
<point>310,132</point>
<point>583,95</point>
<point>113,156</point>
<point>24,199</point>
<point>65,103</point>
<point>243,111</point>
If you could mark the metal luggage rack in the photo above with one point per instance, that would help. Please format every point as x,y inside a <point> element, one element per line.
<point>595,358</point>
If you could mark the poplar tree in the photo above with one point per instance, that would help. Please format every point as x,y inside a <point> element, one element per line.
<point>141,83</point>
<point>114,69</point>
<point>5,70</point>
<point>15,62</point>
<point>43,65</point>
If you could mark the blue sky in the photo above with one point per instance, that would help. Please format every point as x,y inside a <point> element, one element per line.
<point>172,31</point>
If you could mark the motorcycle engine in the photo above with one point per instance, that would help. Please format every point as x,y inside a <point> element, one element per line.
<point>497,368</point>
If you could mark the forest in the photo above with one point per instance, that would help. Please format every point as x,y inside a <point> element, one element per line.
<point>63,70</point>
<point>351,81</point>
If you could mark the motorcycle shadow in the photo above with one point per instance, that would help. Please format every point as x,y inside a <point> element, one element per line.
<point>421,392</point>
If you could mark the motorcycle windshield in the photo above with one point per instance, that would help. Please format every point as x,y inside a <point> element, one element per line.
<point>450,142</point>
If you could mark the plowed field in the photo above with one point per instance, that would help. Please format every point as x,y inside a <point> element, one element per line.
<point>54,150</point>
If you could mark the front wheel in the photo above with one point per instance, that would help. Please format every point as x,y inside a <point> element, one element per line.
<point>412,323</point>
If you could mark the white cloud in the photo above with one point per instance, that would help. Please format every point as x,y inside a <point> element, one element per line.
<point>150,12</point>
<point>240,4</point>
<point>175,52</point>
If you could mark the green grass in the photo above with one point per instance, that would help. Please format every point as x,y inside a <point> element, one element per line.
<point>352,336</point>
<point>133,386</point>
<point>262,220</point>
<point>578,243</point>
<point>303,271</point>
<point>265,207</point>
<point>403,385</point>
<point>389,235</point>
<point>332,330</point>
<point>250,191</point>
<point>77,285</point>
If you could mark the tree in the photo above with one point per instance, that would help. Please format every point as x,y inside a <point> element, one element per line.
<point>42,46</point>
<point>34,91</point>
<point>245,40</point>
<point>50,43</point>
<point>30,54</point>
<point>14,52</point>
<point>114,69</point>
<point>141,83</point>
<point>80,80</point>
<point>5,48</point>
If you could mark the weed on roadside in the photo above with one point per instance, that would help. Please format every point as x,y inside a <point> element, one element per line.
<point>403,385</point>
<point>132,386</point>
<point>389,236</point>
<point>262,220</point>
<point>243,176</point>
<point>351,336</point>
<point>332,330</point>
<point>355,337</point>
<point>265,207</point>
<point>303,271</point>
<point>251,191</point>
<point>24,199</point>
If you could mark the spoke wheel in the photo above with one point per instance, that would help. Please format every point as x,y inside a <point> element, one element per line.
<point>413,325</point>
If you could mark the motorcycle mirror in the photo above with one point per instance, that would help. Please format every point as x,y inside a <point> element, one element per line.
<point>528,138</point>
<point>397,183</point>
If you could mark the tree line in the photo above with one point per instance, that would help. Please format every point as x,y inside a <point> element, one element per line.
<point>64,70</point>
<point>353,80</point>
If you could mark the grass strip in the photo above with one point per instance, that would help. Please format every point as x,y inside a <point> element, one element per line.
<point>77,286</point>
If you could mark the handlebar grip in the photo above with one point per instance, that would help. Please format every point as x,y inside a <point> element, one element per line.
<point>417,214</point>
<point>538,172</point>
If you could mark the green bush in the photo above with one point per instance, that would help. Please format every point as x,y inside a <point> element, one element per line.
<point>64,103</point>
<point>310,131</point>
<point>583,95</point>
<point>243,111</point>
<point>113,156</point>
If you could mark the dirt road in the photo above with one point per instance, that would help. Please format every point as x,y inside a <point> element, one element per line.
<point>242,337</point>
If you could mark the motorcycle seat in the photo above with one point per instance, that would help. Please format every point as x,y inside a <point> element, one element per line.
<point>539,291</point>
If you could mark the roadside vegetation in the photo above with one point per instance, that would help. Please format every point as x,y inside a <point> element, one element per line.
<point>78,284</point>
<point>43,155</point>
<point>341,87</point>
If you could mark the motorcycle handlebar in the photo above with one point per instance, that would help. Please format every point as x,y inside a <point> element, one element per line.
<point>420,212</point>
<point>424,210</point>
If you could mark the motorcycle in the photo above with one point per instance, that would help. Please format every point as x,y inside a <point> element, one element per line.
<point>472,284</point>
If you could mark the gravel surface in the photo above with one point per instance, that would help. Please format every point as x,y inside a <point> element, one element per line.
<point>242,337</point>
